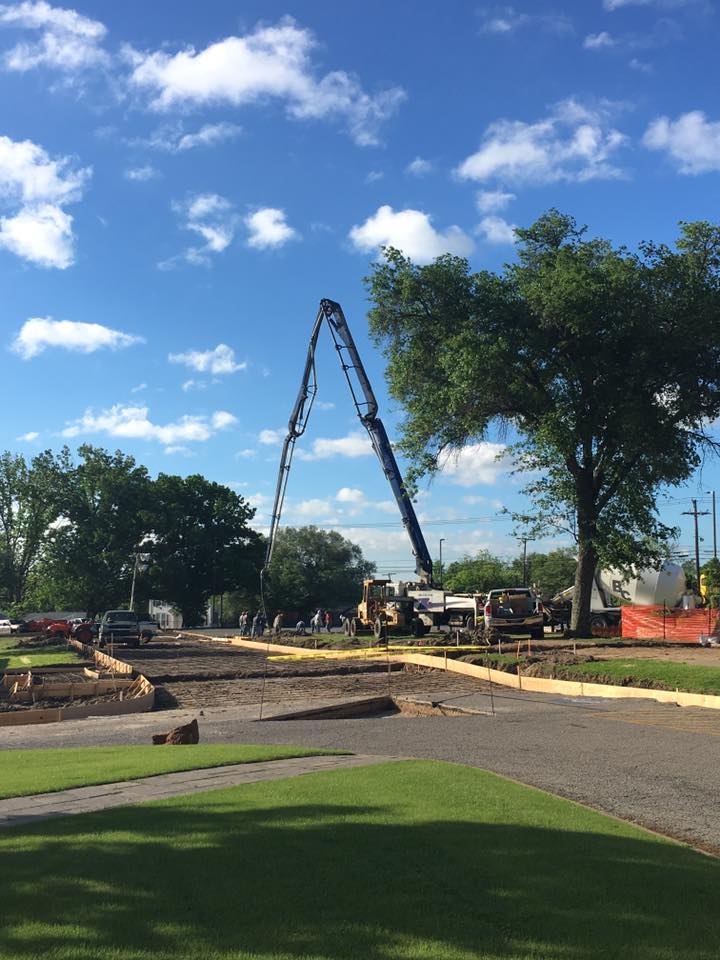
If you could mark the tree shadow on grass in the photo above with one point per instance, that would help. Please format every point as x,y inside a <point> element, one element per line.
<point>218,876</point>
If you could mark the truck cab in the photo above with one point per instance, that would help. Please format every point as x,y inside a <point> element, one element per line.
<point>515,610</point>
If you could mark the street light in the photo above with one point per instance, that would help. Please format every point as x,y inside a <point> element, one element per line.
<point>442,541</point>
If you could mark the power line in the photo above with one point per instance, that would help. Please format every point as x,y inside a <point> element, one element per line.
<point>425,523</point>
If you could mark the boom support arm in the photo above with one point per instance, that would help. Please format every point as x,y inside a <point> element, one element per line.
<point>367,408</point>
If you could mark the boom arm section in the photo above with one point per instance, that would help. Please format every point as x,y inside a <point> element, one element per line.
<point>367,408</point>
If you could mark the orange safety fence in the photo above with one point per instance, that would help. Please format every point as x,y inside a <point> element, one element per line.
<point>668,623</point>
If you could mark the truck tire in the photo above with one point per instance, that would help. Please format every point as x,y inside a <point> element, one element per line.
<point>353,627</point>
<point>380,629</point>
<point>598,622</point>
<point>346,626</point>
<point>470,621</point>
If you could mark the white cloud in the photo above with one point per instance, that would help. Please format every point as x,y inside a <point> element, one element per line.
<point>212,218</point>
<point>271,62</point>
<point>219,360</point>
<point>193,385</point>
<point>573,143</point>
<point>617,4</point>
<point>222,419</point>
<point>374,175</point>
<point>28,437</point>
<point>475,501</point>
<point>139,388</point>
<point>355,444</point>
<point>178,449</point>
<point>247,454</point>
<point>418,167</point>
<point>312,508</point>
<point>490,201</point>
<point>208,135</point>
<point>598,41</point>
<point>39,333</point>
<point>34,188</point>
<point>324,405</point>
<point>692,141</point>
<point>41,234</point>
<point>133,422</point>
<point>141,174</point>
<point>350,495</point>
<point>641,66</point>
<point>476,463</point>
<point>271,437</point>
<point>412,232</point>
<point>268,229</point>
<point>496,230</point>
<point>68,41</point>
<point>29,176</point>
<point>506,20</point>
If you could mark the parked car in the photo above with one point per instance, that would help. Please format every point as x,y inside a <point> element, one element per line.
<point>58,630</point>
<point>148,629</point>
<point>6,628</point>
<point>119,626</point>
<point>514,610</point>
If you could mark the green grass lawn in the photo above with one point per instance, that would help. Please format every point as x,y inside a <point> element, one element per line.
<point>11,655</point>
<point>672,676</point>
<point>24,772</point>
<point>406,861</point>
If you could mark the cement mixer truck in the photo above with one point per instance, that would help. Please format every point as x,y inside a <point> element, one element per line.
<point>647,586</point>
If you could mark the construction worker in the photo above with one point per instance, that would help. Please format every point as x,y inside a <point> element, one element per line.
<point>277,623</point>
<point>255,625</point>
<point>328,621</point>
<point>316,622</point>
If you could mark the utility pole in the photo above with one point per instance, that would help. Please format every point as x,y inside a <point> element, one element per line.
<point>696,513</point>
<point>442,541</point>
<point>141,563</point>
<point>524,542</point>
<point>714,527</point>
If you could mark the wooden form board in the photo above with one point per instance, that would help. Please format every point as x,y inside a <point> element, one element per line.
<point>566,688</point>
<point>109,708</point>
<point>88,688</point>
<point>138,695</point>
<point>102,659</point>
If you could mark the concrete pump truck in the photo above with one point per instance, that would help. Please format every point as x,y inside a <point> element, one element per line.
<point>386,606</point>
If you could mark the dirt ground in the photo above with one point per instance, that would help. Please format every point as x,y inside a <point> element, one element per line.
<point>195,674</point>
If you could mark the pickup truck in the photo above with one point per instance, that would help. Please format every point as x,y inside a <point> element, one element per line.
<point>119,626</point>
<point>514,610</point>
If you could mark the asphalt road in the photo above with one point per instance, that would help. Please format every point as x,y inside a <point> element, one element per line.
<point>653,764</point>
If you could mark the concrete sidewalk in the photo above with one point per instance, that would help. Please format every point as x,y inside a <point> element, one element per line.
<point>20,811</point>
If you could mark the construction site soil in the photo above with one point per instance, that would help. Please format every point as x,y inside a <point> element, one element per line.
<point>196,674</point>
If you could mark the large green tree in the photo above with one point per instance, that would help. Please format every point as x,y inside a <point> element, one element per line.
<point>91,552</point>
<point>30,501</point>
<point>199,544</point>
<point>605,362</point>
<point>315,568</point>
<point>480,573</point>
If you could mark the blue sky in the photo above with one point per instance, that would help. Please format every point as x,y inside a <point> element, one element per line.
<point>180,184</point>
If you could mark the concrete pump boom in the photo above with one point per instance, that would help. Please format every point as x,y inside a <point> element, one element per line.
<point>367,409</point>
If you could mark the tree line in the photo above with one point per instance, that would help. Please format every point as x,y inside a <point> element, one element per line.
<point>549,572</point>
<point>75,531</point>
<point>71,531</point>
